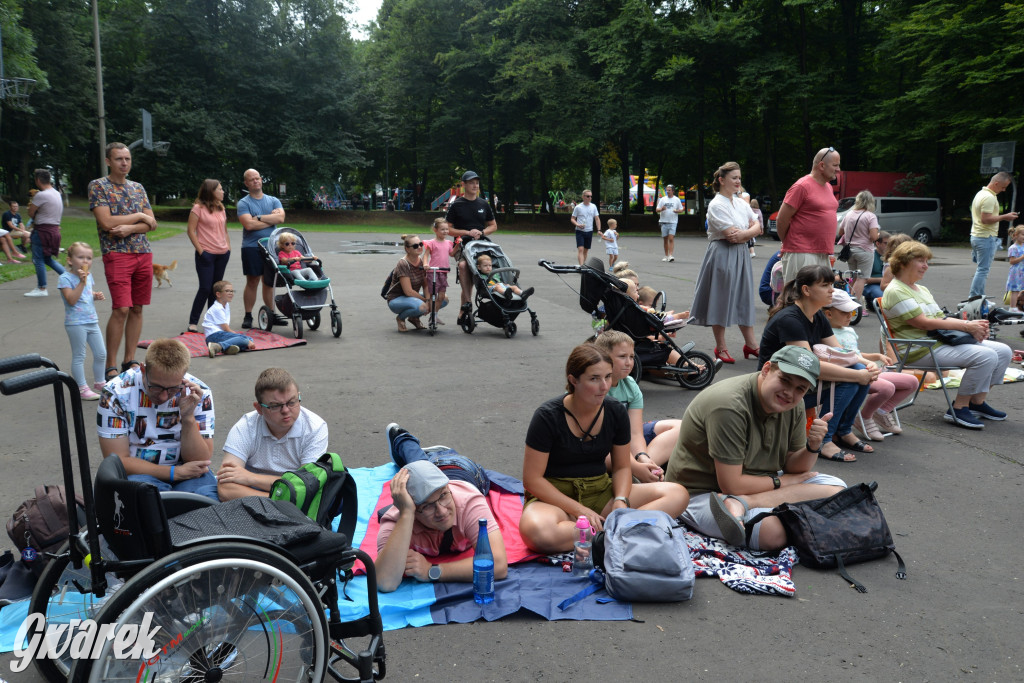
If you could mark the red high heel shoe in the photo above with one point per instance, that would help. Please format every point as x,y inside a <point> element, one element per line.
<point>724,356</point>
<point>748,352</point>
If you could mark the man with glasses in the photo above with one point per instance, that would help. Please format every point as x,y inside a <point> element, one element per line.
<point>433,519</point>
<point>159,419</point>
<point>470,218</point>
<point>259,214</point>
<point>279,436</point>
<point>585,220</point>
<point>744,448</point>
<point>807,218</point>
<point>668,209</point>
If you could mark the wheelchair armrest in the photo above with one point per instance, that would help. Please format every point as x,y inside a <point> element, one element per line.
<point>179,502</point>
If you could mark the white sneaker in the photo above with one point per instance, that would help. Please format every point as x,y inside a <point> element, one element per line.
<point>671,259</point>
<point>214,349</point>
<point>887,423</point>
<point>665,259</point>
<point>37,292</point>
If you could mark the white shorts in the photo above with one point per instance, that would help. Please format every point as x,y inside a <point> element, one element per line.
<point>4,232</point>
<point>611,250</point>
<point>668,229</point>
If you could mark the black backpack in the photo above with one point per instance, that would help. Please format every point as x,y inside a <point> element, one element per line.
<point>322,490</point>
<point>387,285</point>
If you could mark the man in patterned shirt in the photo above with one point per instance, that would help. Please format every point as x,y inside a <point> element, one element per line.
<point>159,420</point>
<point>123,217</point>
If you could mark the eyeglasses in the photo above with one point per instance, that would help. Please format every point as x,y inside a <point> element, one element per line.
<point>431,507</point>
<point>414,246</point>
<point>830,149</point>
<point>278,407</point>
<point>287,243</point>
<point>173,391</point>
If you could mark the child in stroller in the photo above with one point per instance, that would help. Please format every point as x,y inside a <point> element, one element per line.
<point>288,255</point>
<point>498,298</point>
<point>493,282</point>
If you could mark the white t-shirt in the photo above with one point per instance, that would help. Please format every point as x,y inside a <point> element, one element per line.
<point>585,214</point>
<point>216,315</point>
<point>613,243</point>
<point>667,207</point>
<point>250,441</point>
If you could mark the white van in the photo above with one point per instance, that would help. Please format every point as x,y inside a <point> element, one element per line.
<point>919,217</point>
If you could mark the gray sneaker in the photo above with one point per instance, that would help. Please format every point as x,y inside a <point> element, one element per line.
<point>214,348</point>
<point>37,292</point>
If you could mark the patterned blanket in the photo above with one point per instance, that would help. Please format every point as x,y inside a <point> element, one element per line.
<point>196,341</point>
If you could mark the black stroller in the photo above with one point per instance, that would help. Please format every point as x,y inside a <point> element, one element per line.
<point>302,299</point>
<point>492,309</point>
<point>603,295</point>
<point>242,590</point>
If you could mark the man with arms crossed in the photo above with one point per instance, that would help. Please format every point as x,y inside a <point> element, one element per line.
<point>744,449</point>
<point>985,218</point>
<point>469,217</point>
<point>123,217</point>
<point>259,214</point>
<point>807,217</point>
<point>279,436</point>
<point>669,207</point>
<point>159,420</point>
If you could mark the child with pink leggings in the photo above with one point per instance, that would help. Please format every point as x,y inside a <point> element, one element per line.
<point>886,392</point>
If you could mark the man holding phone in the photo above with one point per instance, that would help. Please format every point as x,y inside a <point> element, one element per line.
<point>159,420</point>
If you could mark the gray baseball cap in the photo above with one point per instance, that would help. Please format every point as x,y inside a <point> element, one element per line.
<point>796,360</point>
<point>424,479</point>
<point>469,175</point>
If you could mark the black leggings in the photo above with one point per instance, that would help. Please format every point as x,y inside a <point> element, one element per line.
<point>210,269</point>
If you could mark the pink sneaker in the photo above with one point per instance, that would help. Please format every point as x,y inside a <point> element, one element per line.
<point>98,386</point>
<point>87,394</point>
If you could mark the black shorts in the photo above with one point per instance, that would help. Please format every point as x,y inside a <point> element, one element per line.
<point>584,238</point>
<point>252,261</point>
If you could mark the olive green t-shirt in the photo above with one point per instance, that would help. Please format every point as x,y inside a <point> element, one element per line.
<point>727,423</point>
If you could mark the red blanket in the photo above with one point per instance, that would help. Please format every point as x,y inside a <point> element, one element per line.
<point>196,341</point>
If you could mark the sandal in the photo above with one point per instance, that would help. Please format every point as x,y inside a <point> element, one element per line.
<point>858,445</point>
<point>730,525</point>
<point>110,373</point>
<point>401,324</point>
<point>839,456</point>
<point>417,323</point>
<point>192,329</point>
<point>129,364</point>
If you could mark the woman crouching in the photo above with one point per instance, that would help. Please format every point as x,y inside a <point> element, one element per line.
<point>564,463</point>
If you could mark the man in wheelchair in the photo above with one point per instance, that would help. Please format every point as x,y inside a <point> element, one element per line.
<point>158,419</point>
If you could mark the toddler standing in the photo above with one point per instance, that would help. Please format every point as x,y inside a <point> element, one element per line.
<point>1015,280</point>
<point>611,241</point>
<point>436,253</point>
<point>80,319</point>
<point>219,335</point>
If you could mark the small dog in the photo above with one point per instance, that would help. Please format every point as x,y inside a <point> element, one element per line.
<point>163,273</point>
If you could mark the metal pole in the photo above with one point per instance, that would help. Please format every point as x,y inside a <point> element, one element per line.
<point>101,113</point>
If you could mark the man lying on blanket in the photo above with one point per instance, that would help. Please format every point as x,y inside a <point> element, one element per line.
<point>432,516</point>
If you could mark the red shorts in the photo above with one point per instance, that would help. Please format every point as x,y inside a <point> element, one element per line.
<point>129,278</point>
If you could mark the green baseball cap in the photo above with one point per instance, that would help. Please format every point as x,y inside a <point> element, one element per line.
<point>796,360</point>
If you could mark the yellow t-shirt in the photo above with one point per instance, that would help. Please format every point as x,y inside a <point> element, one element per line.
<point>984,202</point>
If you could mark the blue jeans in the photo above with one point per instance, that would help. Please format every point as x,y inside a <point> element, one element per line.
<point>849,398</point>
<point>40,261</point>
<point>983,250</point>
<point>226,339</point>
<point>210,268</point>
<point>205,485</point>
<point>872,292</point>
<point>406,307</point>
<point>407,449</point>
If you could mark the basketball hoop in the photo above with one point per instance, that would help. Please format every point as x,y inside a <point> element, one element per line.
<point>15,91</point>
<point>161,148</point>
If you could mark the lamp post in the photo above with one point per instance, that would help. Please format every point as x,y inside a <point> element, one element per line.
<point>101,113</point>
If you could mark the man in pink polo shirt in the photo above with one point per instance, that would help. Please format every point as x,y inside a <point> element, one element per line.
<point>807,217</point>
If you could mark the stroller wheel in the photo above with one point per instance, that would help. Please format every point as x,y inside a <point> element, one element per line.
<point>265,319</point>
<point>297,326</point>
<point>314,321</point>
<point>467,322</point>
<point>535,327</point>
<point>336,323</point>
<point>696,370</point>
<point>510,329</point>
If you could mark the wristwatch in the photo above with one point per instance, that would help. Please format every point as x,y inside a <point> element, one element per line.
<point>818,449</point>
<point>623,499</point>
<point>434,574</point>
<point>777,481</point>
<point>259,218</point>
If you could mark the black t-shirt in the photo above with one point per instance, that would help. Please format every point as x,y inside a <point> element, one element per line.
<point>8,216</point>
<point>790,325</point>
<point>469,215</point>
<point>567,455</point>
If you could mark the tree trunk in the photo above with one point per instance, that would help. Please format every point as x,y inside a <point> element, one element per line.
<point>624,160</point>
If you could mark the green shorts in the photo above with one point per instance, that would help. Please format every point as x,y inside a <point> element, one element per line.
<point>593,492</point>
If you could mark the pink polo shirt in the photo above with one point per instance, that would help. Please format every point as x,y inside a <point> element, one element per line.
<point>813,227</point>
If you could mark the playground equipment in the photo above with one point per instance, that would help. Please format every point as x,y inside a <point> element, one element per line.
<point>328,199</point>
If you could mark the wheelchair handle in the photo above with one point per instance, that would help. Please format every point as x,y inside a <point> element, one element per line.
<point>39,378</point>
<point>25,361</point>
<point>555,268</point>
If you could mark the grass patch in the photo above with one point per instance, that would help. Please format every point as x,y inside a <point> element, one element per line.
<point>81,230</point>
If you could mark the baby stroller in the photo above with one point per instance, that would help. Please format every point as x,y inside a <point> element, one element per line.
<point>693,370</point>
<point>302,299</point>
<point>241,590</point>
<point>494,310</point>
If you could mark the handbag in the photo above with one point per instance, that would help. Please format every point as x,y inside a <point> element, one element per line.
<point>953,337</point>
<point>845,253</point>
<point>841,357</point>
<point>830,533</point>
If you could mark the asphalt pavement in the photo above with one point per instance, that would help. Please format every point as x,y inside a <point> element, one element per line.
<point>952,496</point>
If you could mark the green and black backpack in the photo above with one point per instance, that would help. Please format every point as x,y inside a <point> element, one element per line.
<point>322,490</point>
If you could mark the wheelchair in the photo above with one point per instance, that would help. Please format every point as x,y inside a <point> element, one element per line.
<point>241,590</point>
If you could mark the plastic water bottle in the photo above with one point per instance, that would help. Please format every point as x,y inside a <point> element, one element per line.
<point>583,559</point>
<point>483,567</point>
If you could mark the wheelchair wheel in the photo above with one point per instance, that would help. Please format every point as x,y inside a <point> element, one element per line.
<point>314,321</point>
<point>58,597</point>
<point>696,370</point>
<point>336,323</point>
<point>265,319</point>
<point>231,611</point>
